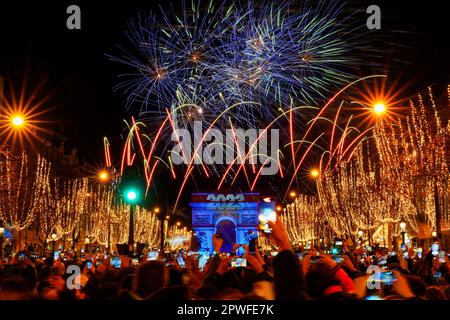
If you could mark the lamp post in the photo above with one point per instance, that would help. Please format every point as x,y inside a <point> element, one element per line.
<point>131,197</point>
<point>104,177</point>
<point>434,235</point>
<point>87,241</point>
<point>360,235</point>
<point>2,231</point>
<point>54,236</point>
<point>403,231</point>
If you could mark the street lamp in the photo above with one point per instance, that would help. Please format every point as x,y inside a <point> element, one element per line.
<point>53,236</point>
<point>103,176</point>
<point>17,121</point>
<point>434,235</point>
<point>2,231</point>
<point>403,231</point>
<point>162,218</point>
<point>314,173</point>
<point>293,194</point>
<point>379,108</point>
<point>360,234</point>
<point>87,241</point>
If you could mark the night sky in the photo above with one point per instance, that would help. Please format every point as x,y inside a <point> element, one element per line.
<point>34,41</point>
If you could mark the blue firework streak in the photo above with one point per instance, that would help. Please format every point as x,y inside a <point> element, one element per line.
<point>219,55</point>
<point>284,53</point>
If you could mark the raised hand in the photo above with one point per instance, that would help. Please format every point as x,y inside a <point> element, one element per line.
<point>258,254</point>
<point>401,286</point>
<point>253,263</point>
<point>217,243</point>
<point>279,235</point>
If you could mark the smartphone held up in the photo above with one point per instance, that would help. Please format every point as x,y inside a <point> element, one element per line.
<point>267,213</point>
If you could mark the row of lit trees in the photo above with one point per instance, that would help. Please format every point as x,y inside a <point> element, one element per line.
<point>66,209</point>
<point>401,174</point>
<point>415,158</point>
<point>355,199</point>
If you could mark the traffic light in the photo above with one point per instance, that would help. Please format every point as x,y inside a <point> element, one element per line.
<point>131,195</point>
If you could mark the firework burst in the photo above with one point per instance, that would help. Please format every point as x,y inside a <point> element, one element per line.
<point>221,55</point>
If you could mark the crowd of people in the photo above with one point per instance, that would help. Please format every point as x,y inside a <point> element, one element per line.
<point>340,274</point>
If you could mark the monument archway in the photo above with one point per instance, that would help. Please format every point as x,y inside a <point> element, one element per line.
<point>235,215</point>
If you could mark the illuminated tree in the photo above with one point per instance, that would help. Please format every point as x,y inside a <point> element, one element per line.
<point>303,219</point>
<point>355,198</point>
<point>76,193</point>
<point>22,187</point>
<point>414,154</point>
<point>54,213</point>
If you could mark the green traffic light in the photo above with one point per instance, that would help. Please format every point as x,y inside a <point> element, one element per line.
<point>131,195</point>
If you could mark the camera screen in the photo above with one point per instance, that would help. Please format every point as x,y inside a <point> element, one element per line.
<point>267,213</point>
<point>152,255</point>
<point>435,249</point>
<point>239,262</point>
<point>441,256</point>
<point>181,261</point>
<point>387,278</point>
<point>116,262</point>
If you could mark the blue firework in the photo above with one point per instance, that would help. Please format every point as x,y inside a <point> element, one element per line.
<point>219,55</point>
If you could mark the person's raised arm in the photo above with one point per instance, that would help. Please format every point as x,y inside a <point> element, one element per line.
<point>216,260</point>
<point>288,276</point>
<point>210,284</point>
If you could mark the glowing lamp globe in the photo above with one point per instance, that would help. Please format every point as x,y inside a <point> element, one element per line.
<point>103,175</point>
<point>17,121</point>
<point>314,173</point>
<point>379,108</point>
